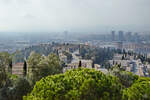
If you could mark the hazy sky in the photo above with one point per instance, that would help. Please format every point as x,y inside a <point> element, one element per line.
<point>74,15</point>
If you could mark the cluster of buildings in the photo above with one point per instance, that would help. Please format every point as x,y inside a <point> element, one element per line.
<point>133,42</point>
<point>77,60</point>
<point>132,65</point>
<point>122,36</point>
<point>143,48</point>
<point>129,41</point>
<point>129,64</point>
<point>17,69</point>
<point>12,46</point>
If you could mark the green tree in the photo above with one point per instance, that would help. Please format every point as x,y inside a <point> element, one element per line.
<point>41,66</point>
<point>50,65</point>
<point>3,78</point>
<point>80,64</point>
<point>20,89</point>
<point>5,73</point>
<point>126,78</point>
<point>5,60</point>
<point>33,62</point>
<point>25,68</point>
<point>140,90</point>
<point>10,67</point>
<point>77,84</point>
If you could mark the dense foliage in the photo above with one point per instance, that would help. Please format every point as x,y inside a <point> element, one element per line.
<point>42,66</point>
<point>5,65</point>
<point>33,61</point>
<point>88,84</point>
<point>14,87</point>
<point>25,53</point>
<point>77,84</point>
<point>140,90</point>
<point>126,78</point>
<point>98,55</point>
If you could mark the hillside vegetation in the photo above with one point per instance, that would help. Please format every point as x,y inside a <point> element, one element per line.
<point>88,84</point>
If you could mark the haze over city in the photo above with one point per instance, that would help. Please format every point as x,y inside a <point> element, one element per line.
<point>74,49</point>
<point>74,15</point>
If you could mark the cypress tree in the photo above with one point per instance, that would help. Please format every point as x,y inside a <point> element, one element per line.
<point>10,67</point>
<point>25,68</point>
<point>123,57</point>
<point>93,65</point>
<point>113,62</point>
<point>80,63</point>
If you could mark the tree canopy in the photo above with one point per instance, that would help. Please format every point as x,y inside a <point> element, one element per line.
<point>89,84</point>
<point>77,84</point>
<point>5,60</point>
<point>140,90</point>
<point>42,66</point>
